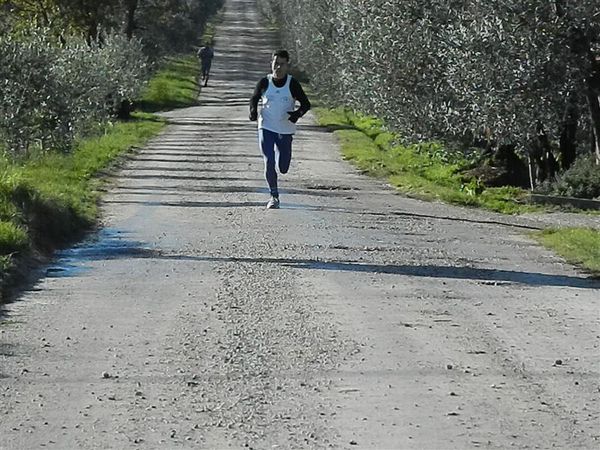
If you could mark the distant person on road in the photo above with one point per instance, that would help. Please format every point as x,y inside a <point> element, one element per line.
<point>279,92</point>
<point>206,55</point>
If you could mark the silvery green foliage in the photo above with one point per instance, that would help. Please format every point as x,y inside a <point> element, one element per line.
<point>50,93</point>
<point>498,69</point>
<point>31,111</point>
<point>270,9</point>
<point>171,26</point>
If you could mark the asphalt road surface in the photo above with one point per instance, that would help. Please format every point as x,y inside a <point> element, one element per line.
<point>350,318</point>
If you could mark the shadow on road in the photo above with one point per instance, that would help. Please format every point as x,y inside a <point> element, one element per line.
<point>199,154</point>
<point>426,271</point>
<point>191,178</point>
<point>463,219</point>
<point>190,161</point>
<point>154,190</point>
<point>6,350</point>
<point>294,206</point>
<point>185,204</point>
<point>113,244</point>
<point>158,170</point>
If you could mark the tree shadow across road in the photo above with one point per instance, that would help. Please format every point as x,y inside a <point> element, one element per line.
<point>188,204</point>
<point>6,351</point>
<point>426,271</point>
<point>188,178</point>
<point>229,189</point>
<point>113,244</point>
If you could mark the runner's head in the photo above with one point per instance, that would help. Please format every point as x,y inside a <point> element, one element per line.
<point>280,64</point>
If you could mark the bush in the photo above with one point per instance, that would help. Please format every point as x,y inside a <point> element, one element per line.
<point>50,94</point>
<point>32,106</point>
<point>582,180</point>
<point>99,77</point>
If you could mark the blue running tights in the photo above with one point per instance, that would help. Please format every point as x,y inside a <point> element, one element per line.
<point>269,142</point>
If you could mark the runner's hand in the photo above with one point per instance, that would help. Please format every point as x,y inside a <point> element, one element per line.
<point>294,116</point>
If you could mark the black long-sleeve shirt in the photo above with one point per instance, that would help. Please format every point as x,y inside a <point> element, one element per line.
<point>295,89</point>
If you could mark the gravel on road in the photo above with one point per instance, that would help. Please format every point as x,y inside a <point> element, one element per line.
<point>352,317</point>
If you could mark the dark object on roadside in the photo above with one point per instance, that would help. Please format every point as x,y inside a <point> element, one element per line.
<point>503,168</point>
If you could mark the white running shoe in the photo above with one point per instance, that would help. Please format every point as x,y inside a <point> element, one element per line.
<point>273,203</point>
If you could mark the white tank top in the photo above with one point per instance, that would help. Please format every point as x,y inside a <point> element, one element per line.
<point>276,103</point>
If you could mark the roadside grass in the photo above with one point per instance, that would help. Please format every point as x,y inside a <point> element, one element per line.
<point>52,198</point>
<point>427,172</point>
<point>175,85</point>
<point>580,246</point>
<point>419,170</point>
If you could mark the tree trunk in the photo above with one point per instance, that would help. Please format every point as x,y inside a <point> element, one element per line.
<point>130,18</point>
<point>568,136</point>
<point>593,97</point>
<point>93,19</point>
<point>548,163</point>
<point>92,32</point>
<point>560,8</point>
<point>124,111</point>
<point>594,102</point>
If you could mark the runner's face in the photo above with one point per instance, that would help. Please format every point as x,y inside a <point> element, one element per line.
<point>280,67</point>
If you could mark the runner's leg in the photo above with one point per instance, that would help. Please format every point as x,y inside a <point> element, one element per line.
<point>284,146</point>
<point>207,72</point>
<point>266,141</point>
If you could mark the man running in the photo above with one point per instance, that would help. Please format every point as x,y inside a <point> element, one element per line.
<point>206,54</point>
<point>279,92</point>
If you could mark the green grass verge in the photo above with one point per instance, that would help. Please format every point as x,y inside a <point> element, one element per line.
<point>419,170</point>
<point>579,246</point>
<point>52,198</point>
<point>49,200</point>
<point>175,85</point>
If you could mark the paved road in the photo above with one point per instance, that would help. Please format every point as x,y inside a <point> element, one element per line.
<point>350,318</point>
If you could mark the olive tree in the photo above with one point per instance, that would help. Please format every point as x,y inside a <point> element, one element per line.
<point>69,65</point>
<point>513,73</point>
<point>52,93</point>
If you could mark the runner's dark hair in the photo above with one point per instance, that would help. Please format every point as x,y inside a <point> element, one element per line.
<point>282,54</point>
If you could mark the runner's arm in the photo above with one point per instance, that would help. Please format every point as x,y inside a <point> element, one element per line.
<point>298,94</point>
<point>261,86</point>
